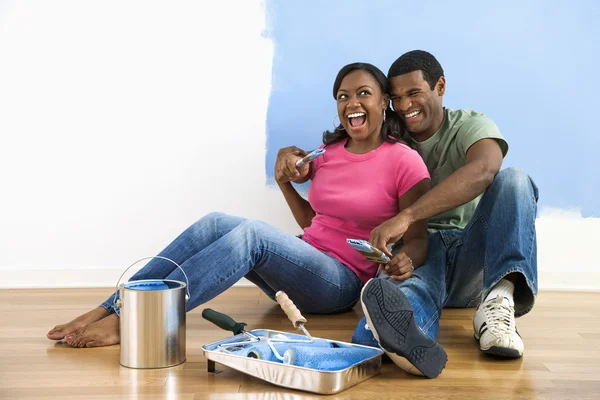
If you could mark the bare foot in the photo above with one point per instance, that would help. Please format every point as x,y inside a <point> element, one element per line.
<point>60,331</point>
<point>101,333</point>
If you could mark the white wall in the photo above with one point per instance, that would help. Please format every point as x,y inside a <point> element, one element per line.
<point>568,251</point>
<point>122,123</point>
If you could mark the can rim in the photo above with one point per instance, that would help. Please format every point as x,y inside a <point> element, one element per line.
<point>182,285</point>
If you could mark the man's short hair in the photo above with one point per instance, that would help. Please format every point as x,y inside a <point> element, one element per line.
<point>418,60</point>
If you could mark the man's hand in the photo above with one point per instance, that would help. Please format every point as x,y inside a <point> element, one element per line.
<point>285,165</point>
<point>399,268</point>
<point>390,231</point>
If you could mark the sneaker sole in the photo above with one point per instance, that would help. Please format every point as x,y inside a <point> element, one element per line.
<point>498,351</point>
<point>503,352</point>
<point>390,317</point>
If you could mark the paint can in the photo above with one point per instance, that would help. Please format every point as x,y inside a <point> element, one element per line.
<point>152,321</point>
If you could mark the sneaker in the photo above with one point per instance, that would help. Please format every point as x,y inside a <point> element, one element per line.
<point>390,317</point>
<point>494,326</point>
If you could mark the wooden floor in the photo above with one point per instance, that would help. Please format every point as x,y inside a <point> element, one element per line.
<point>562,354</point>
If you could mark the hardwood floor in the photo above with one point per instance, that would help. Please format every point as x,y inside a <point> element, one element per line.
<point>562,354</point>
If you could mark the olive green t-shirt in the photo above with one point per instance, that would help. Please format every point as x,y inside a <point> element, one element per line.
<point>446,151</point>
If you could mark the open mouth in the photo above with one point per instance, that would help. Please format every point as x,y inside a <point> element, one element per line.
<point>357,120</point>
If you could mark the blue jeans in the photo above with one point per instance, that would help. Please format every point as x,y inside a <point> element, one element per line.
<point>219,249</point>
<point>463,265</point>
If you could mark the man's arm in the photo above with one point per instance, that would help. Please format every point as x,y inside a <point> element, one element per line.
<point>285,173</point>
<point>483,161</point>
<point>414,247</point>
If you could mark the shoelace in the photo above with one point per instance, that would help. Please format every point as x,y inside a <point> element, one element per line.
<point>500,316</point>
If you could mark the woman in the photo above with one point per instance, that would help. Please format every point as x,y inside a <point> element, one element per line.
<point>364,179</point>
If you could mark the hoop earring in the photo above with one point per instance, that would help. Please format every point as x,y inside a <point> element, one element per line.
<point>337,127</point>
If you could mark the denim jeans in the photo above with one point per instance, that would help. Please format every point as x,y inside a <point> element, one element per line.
<point>219,249</point>
<point>463,265</point>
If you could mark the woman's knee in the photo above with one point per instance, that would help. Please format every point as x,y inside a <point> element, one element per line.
<point>256,229</point>
<point>211,217</point>
<point>215,219</point>
<point>207,224</point>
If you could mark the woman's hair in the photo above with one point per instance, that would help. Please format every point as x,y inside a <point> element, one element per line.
<point>392,129</point>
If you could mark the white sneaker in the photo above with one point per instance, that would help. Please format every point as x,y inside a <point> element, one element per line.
<point>494,326</point>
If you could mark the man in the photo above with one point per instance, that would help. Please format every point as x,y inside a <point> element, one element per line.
<point>482,241</point>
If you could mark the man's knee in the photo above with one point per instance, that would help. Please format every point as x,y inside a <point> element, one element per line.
<point>516,180</point>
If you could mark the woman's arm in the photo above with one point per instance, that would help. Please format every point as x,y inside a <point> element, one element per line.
<point>414,249</point>
<point>301,209</point>
<point>285,166</point>
<point>285,173</point>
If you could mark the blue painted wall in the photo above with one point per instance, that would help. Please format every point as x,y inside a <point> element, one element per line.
<point>530,66</point>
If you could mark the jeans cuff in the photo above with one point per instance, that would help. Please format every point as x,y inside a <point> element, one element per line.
<point>110,308</point>
<point>524,295</point>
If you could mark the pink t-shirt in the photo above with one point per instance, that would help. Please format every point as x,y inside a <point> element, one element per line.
<point>354,193</point>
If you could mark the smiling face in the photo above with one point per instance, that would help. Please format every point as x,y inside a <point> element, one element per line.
<point>417,104</point>
<point>360,104</point>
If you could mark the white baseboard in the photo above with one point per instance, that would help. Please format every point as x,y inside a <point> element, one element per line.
<point>22,278</point>
<point>11,278</point>
<point>588,281</point>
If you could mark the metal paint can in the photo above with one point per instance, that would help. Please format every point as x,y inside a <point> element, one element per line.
<point>152,321</point>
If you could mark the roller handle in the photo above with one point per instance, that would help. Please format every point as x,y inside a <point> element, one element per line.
<point>290,309</point>
<point>223,321</point>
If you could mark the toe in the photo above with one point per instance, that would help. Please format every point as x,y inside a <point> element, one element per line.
<point>72,340</point>
<point>69,339</point>
<point>85,339</point>
<point>56,333</point>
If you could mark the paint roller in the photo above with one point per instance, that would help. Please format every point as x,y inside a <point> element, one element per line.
<point>328,359</point>
<point>319,355</point>
<point>263,351</point>
<point>292,312</point>
<point>309,356</point>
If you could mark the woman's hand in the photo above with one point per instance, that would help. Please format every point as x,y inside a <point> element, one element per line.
<point>285,165</point>
<point>399,268</point>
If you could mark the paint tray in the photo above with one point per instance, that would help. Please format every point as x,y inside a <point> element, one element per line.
<point>320,365</point>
